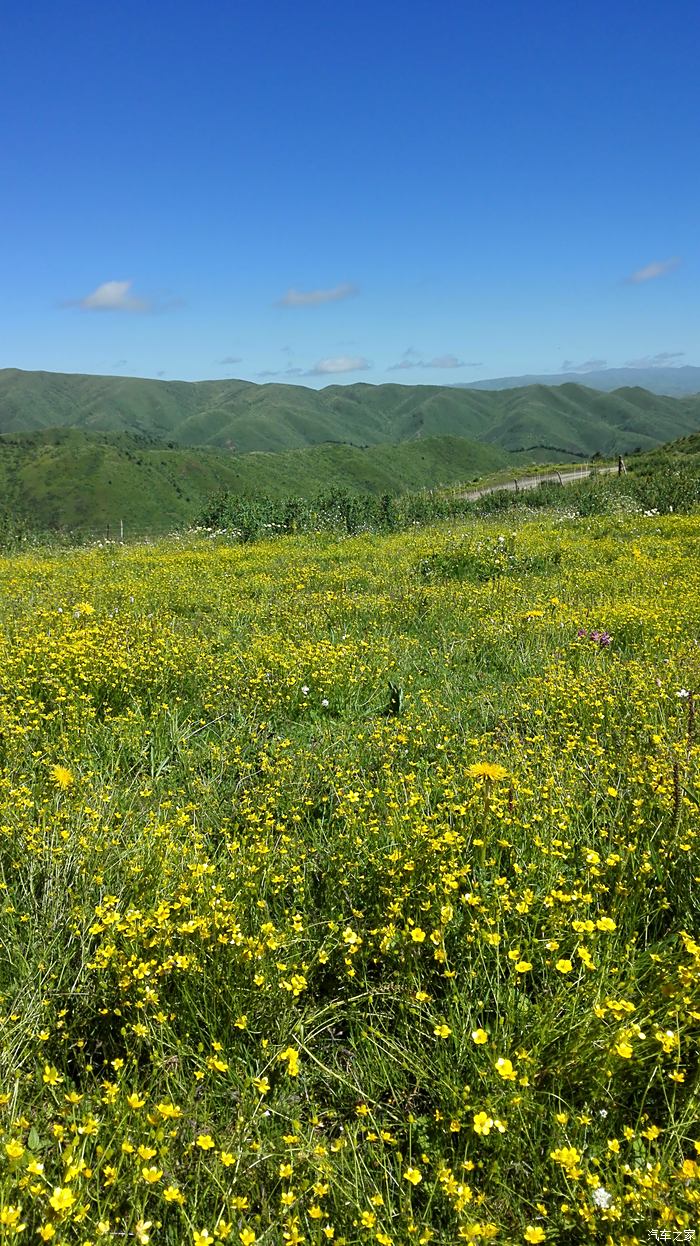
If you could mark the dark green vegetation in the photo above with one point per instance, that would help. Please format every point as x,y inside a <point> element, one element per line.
<point>660,484</point>
<point>68,478</point>
<point>83,453</point>
<point>548,423</point>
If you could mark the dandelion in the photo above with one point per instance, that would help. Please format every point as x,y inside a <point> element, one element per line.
<point>487,770</point>
<point>62,777</point>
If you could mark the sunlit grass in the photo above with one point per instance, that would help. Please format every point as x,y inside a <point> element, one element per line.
<point>289,955</point>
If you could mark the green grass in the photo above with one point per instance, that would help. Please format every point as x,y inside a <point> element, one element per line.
<point>350,887</point>
<point>66,478</point>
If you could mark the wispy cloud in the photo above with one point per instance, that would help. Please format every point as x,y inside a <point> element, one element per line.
<point>342,363</point>
<point>312,298</point>
<point>113,296</point>
<point>411,359</point>
<point>448,361</point>
<point>664,359</point>
<point>268,372</point>
<point>658,268</point>
<point>588,365</point>
<point>229,359</point>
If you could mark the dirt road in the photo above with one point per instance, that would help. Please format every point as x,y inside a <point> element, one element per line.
<point>531,482</point>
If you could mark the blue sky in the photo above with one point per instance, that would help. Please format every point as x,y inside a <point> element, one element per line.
<point>319,193</point>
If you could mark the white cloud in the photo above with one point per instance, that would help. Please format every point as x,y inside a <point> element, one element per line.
<point>284,372</point>
<point>409,360</point>
<point>113,296</point>
<point>446,361</point>
<point>229,359</point>
<point>312,298</point>
<point>588,365</point>
<point>658,268</point>
<point>342,363</point>
<point>664,359</point>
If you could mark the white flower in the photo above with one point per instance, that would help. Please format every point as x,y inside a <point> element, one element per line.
<point>325,703</point>
<point>682,692</point>
<point>601,1197</point>
<point>305,690</point>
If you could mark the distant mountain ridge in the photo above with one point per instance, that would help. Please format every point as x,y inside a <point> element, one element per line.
<point>658,380</point>
<point>569,420</point>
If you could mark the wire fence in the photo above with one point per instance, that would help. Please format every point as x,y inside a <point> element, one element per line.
<point>118,532</point>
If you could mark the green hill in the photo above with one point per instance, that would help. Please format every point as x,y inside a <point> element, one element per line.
<point>74,479</point>
<point>86,452</point>
<point>564,421</point>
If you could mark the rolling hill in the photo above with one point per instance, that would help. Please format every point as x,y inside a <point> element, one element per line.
<point>84,452</point>
<point>658,380</point>
<point>566,420</point>
<point>89,481</point>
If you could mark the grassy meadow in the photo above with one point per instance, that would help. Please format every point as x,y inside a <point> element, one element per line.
<point>349,887</point>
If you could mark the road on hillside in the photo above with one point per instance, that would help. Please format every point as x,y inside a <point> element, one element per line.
<point>531,482</point>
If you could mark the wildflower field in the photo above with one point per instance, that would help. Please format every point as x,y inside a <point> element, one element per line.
<point>349,888</point>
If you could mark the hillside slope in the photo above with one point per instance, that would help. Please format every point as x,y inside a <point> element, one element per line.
<point>70,478</point>
<point>567,420</point>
